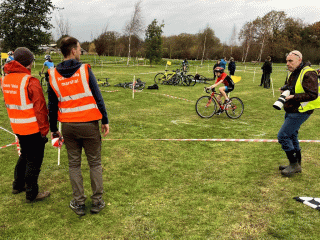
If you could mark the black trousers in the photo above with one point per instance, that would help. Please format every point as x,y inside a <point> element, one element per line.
<point>27,169</point>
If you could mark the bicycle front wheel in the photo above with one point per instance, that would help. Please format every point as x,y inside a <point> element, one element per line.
<point>235,108</point>
<point>159,78</point>
<point>206,107</point>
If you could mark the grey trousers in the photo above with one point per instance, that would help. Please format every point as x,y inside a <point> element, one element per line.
<point>87,136</point>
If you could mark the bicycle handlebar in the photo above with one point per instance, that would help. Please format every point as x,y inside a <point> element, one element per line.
<point>207,90</point>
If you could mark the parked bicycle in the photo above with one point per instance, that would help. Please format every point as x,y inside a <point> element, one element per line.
<point>166,77</point>
<point>183,79</point>
<point>207,106</point>
<point>104,83</point>
<point>139,85</point>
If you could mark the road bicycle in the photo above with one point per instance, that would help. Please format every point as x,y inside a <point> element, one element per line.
<point>139,85</point>
<point>207,106</point>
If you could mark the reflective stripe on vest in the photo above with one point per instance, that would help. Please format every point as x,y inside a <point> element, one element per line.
<point>75,106</point>
<point>306,106</point>
<point>21,114</point>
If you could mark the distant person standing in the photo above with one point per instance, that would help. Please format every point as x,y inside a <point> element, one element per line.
<point>28,116</point>
<point>75,100</point>
<point>266,72</point>
<point>232,66</point>
<point>185,65</point>
<point>299,105</point>
<point>223,63</point>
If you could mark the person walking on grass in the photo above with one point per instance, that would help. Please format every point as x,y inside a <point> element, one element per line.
<point>75,100</point>
<point>266,72</point>
<point>299,105</point>
<point>28,114</point>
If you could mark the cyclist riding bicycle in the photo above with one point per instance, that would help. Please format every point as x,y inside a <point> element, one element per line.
<point>10,57</point>
<point>49,64</point>
<point>228,87</point>
<point>185,65</point>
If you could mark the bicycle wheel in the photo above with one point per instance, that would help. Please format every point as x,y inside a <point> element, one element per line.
<point>189,79</point>
<point>44,84</point>
<point>159,78</point>
<point>206,107</point>
<point>235,108</point>
<point>176,79</point>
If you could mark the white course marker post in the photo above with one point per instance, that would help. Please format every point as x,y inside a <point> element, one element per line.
<point>133,83</point>
<point>272,86</point>
<point>59,148</point>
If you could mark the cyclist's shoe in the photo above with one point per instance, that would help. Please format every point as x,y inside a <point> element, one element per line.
<point>219,111</point>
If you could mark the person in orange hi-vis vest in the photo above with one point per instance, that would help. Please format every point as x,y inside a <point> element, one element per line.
<point>28,116</point>
<point>74,99</point>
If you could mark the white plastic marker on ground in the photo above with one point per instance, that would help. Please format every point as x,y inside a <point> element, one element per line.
<point>133,84</point>
<point>211,140</point>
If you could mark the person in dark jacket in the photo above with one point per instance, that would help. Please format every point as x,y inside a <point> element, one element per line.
<point>299,105</point>
<point>232,66</point>
<point>266,72</point>
<point>75,100</point>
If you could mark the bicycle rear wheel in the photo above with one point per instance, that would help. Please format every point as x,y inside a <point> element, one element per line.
<point>44,84</point>
<point>206,107</point>
<point>159,78</point>
<point>235,108</point>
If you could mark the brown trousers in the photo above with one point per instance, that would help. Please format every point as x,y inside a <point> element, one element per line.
<point>84,135</point>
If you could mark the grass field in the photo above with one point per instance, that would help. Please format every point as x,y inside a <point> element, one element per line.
<point>174,189</point>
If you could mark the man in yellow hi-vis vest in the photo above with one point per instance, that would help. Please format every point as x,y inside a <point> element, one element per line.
<point>299,105</point>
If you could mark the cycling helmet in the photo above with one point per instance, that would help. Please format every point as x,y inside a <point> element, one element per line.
<point>47,57</point>
<point>10,53</point>
<point>219,69</point>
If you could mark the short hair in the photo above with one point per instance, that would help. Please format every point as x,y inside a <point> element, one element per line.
<point>67,44</point>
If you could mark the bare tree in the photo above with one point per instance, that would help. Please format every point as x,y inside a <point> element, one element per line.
<point>233,38</point>
<point>247,34</point>
<point>63,25</point>
<point>134,26</point>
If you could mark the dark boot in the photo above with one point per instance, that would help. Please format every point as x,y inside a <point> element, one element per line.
<point>298,157</point>
<point>294,166</point>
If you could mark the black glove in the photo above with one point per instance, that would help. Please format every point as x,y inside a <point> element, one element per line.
<point>45,139</point>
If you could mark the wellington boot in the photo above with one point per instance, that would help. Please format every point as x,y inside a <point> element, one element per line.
<point>291,169</point>
<point>297,155</point>
<point>281,167</point>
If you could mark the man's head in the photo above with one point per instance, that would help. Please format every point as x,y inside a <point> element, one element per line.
<point>24,56</point>
<point>294,60</point>
<point>70,48</point>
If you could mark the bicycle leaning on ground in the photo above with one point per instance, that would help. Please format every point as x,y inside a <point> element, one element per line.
<point>207,106</point>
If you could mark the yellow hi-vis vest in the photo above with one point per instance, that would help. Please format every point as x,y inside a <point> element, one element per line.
<point>306,106</point>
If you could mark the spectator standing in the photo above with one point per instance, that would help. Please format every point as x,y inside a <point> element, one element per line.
<point>299,105</point>
<point>28,116</point>
<point>232,66</point>
<point>266,72</point>
<point>223,63</point>
<point>75,100</point>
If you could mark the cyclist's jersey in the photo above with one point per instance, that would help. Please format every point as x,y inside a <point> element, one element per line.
<point>227,81</point>
<point>48,64</point>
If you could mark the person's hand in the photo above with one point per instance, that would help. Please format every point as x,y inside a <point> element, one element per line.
<point>289,97</point>
<point>56,134</point>
<point>105,129</point>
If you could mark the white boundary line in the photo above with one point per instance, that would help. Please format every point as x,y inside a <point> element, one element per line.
<point>211,140</point>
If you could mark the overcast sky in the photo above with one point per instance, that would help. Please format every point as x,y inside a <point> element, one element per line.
<point>87,18</point>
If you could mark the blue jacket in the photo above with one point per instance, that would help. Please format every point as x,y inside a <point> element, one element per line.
<point>223,63</point>
<point>67,69</point>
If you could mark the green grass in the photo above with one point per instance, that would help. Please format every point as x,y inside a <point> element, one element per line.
<point>174,190</point>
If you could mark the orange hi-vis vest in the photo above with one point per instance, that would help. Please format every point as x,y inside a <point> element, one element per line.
<point>20,109</point>
<point>76,103</point>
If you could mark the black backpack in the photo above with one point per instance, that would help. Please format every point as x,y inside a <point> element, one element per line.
<point>154,86</point>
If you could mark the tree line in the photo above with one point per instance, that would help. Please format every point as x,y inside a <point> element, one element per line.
<point>26,23</point>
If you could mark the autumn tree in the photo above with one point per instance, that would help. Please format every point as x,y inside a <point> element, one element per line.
<point>153,41</point>
<point>25,23</point>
